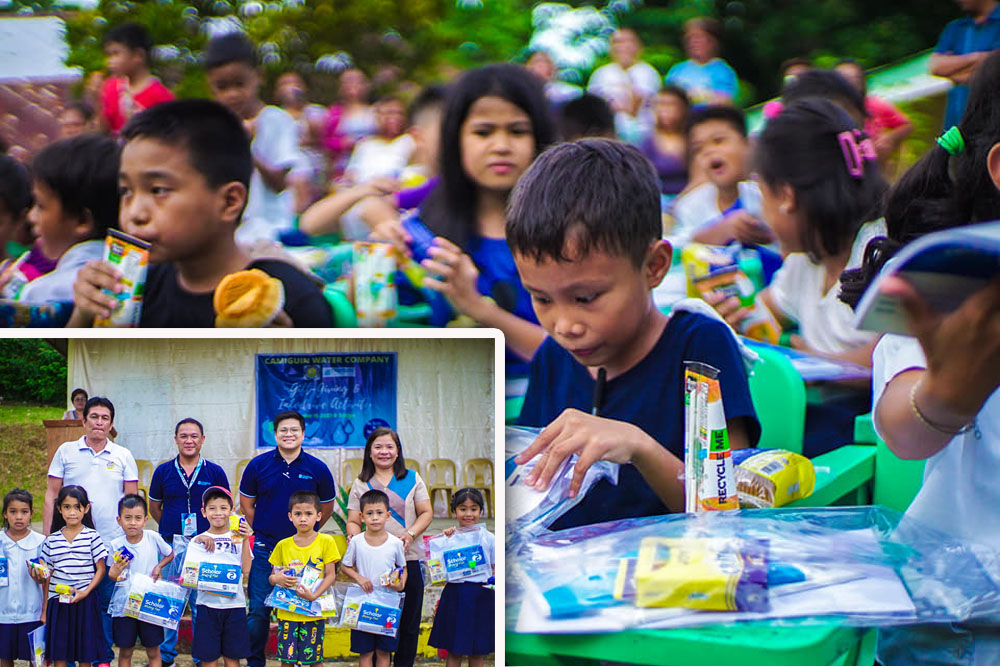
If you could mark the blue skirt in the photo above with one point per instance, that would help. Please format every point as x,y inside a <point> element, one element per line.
<point>14,641</point>
<point>463,624</point>
<point>74,631</point>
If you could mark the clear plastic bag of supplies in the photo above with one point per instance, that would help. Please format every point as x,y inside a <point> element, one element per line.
<point>289,599</point>
<point>36,641</point>
<point>866,566</point>
<point>215,571</point>
<point>377,612</point>
<point>463,555</point>
<point>157,602</point>
<point>529,511</point>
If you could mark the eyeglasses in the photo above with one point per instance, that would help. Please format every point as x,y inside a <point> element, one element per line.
<point>289,431</point>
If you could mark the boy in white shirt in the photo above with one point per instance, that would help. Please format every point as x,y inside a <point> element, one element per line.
<point>370,554</point>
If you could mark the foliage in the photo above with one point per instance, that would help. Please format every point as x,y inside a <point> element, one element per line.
<point>31,370</point>
<point>340,510</point>
<point>23,451</point>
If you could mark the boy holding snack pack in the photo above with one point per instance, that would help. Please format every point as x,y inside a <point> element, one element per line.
<point>370,555</point>
<point>590,257</point>
<point>221,621</point>
<point>139,551</point>
<point>184,175</point>
<point>306,563</point>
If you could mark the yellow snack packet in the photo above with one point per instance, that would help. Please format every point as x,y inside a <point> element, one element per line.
<point>774,477</point>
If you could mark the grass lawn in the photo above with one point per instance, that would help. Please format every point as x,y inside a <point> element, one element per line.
<point>22,449</point>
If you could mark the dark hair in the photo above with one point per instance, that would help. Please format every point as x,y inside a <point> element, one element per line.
<point>586,116</point>
<point>15,186</point>
<point>217,144</point>
<point>95,401</point>
<point>793,62</point>
<point>368,466</point>
<point>131,35</point>
<point>214,492</point>
<point>132,500</point>
<point>801,147</point>
<point>828,85</point>
<point>189,420</point>
<point>450,209</point>
<point>429,97</point>
<point>232,47</point>
<point>940,191</point>
<point>854,63</point>
<point>83,173</point>
<point>79,494</point>
<point>373,497</point>
<point>19,495</point>
<point>467,493</point>
<point>614,204</point>
<point>724,112</point>
<point>712,26</point>
<point>289,414</point>
<point>78,390</point>
<point>302,497</point>
<point>84,109</point>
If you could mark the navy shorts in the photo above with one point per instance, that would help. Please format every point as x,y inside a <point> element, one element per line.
<point>367,642</point>
<point>220,633</point>
<point>126,630</point>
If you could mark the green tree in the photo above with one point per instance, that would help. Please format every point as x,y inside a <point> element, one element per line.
<point>31,371</point>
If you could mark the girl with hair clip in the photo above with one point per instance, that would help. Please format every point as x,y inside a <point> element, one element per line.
<point>496,121</point>
<point>937,394</point>
<point>463,622</point>
<point>410,513</point>
<point>76,553</point>
<point>820,186</point>
<point>21,609</point>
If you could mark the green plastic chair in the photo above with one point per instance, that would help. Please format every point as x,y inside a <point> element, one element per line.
<point>897,481</point>
<point>779,398</point>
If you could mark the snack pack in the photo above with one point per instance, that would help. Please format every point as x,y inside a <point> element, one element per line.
<point>122,555</point>
<point>40,567</point>
<point>390,578</point>
<point>461,556</point>
<point>773,477</point>
<point>709,483</point>
<point>157,602</point>
<point>215,572</point>
<point>290,600</point>
<point>375,299</point>
<point>377,612</point>
<point>131,257</point>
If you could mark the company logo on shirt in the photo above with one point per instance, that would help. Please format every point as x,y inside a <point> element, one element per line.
<point>304,476</point>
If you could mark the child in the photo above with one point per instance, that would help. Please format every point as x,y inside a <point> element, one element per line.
<point>184,175</point>
<point>727,206</point>
<point>300,636</point>
<point>590,254</point>
<point>370,554</point>
<point>388,151</point>
<point>15,200</point>
<point>937,395</point>
<point>76,119</point>
<point>151,555</point>
<point>130,88</point>
<point>820,185</point>
<point>463,623</point>
<point>76,553</point>
<point>496,121</point>
<point>221,622</point>
<point>75,189</point>
<point>21,609</point>
<point>231,69</point>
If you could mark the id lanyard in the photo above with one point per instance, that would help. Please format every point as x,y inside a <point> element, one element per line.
<point>184,480</point>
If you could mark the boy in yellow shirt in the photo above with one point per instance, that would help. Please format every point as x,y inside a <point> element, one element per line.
<point>300,637</point>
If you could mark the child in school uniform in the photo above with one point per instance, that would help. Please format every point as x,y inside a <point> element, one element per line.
<point>463,623</point>
<point>21,609</point>
<point>369,555</point>
<point>150,554</point>
<point>76,553</point>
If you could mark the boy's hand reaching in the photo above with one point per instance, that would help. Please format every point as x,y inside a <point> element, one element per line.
<point>449,531</point>
<point>88,290</point>
<point>305,593</point>
<point>365,583</point>
<point>392,231</point>
<point>591,438</point>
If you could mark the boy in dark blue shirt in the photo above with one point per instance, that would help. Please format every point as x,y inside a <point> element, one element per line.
<point>584,227</point>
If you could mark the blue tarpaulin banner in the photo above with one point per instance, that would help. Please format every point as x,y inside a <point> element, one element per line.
<point>344,397</point>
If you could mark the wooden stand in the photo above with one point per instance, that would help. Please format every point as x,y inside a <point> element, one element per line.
<point>58,431</point>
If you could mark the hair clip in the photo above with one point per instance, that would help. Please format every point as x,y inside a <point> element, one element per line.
<point>952,141</point>
<point>857,148</point>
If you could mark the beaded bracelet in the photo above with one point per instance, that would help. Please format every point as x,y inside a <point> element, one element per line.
<point>940,428</point>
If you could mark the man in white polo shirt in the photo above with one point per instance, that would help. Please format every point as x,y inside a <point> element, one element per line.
<point>107,471</point>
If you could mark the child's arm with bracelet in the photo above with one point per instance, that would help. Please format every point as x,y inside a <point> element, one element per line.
<point>921,410</point>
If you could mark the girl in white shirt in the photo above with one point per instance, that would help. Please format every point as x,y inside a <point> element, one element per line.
<point>21,610</point>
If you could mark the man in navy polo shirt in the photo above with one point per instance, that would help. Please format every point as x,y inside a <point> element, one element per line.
<point>268,482</point>
<point>963,44</point>
<point>175,500</point>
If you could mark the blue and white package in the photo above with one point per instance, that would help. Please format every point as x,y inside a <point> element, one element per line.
<point>377,612</point>
<point>463,555</point>
<point>216,572</point>
<point>156,602</point>
<point>4,575</point>
<point>288,600</point>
